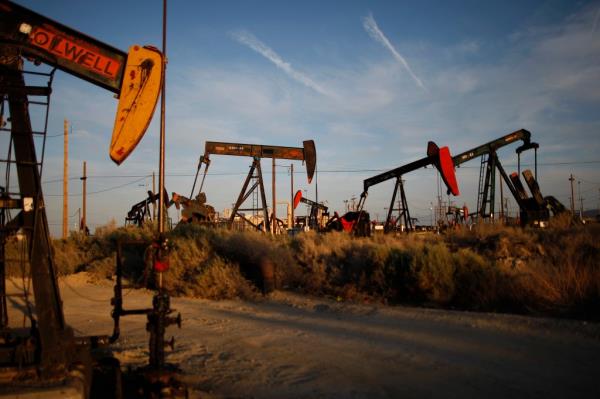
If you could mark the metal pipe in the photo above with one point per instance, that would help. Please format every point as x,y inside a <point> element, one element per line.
<point>161,166</point>
<point>84,204</point>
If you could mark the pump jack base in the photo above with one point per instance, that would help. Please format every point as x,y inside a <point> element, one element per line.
<point>149,382</point>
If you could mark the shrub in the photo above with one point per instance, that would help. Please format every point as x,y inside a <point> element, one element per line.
<point>554,271</point>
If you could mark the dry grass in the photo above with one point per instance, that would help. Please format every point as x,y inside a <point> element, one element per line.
<point>555,271</point>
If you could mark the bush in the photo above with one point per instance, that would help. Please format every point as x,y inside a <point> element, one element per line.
<point>554,271</point>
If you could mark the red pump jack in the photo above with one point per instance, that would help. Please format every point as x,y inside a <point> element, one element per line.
<point>439,157</point>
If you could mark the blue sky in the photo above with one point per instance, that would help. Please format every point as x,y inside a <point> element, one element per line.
<point>370,82</point>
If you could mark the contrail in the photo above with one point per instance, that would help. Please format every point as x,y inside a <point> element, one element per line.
<point>373,30</point>
<point>595,25</point>
<point>251,41</point>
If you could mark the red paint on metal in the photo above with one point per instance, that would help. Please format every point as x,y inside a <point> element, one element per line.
<point>346,225</point>
<point>297,198</point>
<point>446,168</point>
<point>74,50</point>
<point>161,266</point>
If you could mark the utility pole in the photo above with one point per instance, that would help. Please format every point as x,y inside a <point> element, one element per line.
<point>84,200</point>
<point>274,224</point>
<point>501,203</point>
<point>580,200</point>
<point>292,194</point>
<point>153,193</point>
<point>65,221</point>
<point>316,185</point>
<point>572,179</point>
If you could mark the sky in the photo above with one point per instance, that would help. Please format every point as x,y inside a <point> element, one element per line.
<point>370,81</point>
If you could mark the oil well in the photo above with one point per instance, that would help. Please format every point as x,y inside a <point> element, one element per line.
<point>439,157</point>
<point>47,357</point>
<point>254,184</point>
<point>533,210</point>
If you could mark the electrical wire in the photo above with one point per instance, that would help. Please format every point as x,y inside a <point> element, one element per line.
<point>103,190</point>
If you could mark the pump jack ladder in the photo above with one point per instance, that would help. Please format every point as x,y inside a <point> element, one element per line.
<point>307,154</point>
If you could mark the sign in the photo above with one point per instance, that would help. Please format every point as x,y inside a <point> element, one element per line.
<point>75,51</point>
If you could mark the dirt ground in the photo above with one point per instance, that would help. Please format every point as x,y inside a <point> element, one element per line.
<point>293,346</point>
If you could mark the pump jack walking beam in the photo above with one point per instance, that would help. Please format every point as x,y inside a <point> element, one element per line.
<point>439,157</point>
<point>307,154</point>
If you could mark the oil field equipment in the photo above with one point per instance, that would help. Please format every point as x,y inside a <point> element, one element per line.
<point>532,210</point>
<point>50,355</point>
<point>307,154</point>
<point>194,210</point>
<point>490,163</point>
<point>439,157</point>
<point>354,222</point>
<point>140,213</point>
<point>318,215</point>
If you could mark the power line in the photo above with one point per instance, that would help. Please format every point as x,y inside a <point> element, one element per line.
<point>103,190</point>
<point>338,170</point>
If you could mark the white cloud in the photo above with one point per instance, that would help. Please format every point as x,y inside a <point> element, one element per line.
<point>373,30</point>
<point>248,39</point>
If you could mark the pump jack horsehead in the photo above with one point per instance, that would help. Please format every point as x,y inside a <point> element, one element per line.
<point>439,157</point>
<point>52,354</point>
<point>307,153</point>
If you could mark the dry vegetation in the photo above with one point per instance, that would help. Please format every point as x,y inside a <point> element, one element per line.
<point>555,271</point>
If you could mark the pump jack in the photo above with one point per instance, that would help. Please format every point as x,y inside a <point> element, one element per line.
<point>490,162</point>
<point>532,210</point>
<point>317,211</point>
<point>50,354</point>
<point>439,157</point>
<point>307,153</point>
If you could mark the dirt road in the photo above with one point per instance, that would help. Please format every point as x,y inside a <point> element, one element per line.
<point>291,346</point>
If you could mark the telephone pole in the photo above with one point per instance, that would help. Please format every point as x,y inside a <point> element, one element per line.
<point>580,200</point>
<point>274,225</point>
<point>572,179</point>
<point>292,194</point>
<point>153,193</point>
<point>83,226</point>
<point>65,221</point>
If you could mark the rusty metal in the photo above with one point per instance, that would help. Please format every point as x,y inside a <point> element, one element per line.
<point>307,153</point>
<point>57,339</point>
<point>195,210</point>
<point>53,43</point>
<point>534,188</point>
<point>51,350</point>
<point>255,173</point>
